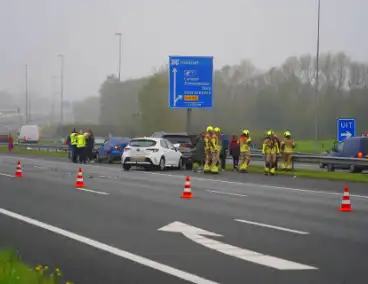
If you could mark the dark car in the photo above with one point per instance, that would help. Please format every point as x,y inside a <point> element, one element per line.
<point>112,149</point>
<point>99,141</point>
<point>354,147</point>
<point>185,141</point>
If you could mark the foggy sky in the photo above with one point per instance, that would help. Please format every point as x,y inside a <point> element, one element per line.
<point>33,32</point>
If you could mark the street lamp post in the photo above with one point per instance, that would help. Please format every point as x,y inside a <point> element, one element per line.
<point>119,35</point>
<point>26,111</point>
<point>316,134</point>
<point>61,89</point>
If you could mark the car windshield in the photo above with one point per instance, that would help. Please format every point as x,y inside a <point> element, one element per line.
<point>142,143</point>
<point>120,140</point>
<point>365,145</point>
<point>178,139</point>
<point>99,141</point>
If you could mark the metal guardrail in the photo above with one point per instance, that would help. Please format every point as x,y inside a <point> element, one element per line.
<point>307,158</point>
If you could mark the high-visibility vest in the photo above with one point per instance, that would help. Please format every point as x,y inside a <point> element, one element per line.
<point>244,142</point>
<point>73,138</point>
<point>81,141</point>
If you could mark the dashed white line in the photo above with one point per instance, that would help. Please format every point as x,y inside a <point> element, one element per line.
<point>264,186</point>
<point>226,193</point>
<point>6,175</point>
<point>272,227</point>
<point>93,191</point>
<point>104,247</point>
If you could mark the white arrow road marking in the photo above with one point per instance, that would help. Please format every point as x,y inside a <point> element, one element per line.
<point>104,247</point>
<point>197,235</point>
<point>272,227</point>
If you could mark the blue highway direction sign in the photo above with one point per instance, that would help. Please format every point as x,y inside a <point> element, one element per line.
<point>346,128</point>
<point>191,82</point>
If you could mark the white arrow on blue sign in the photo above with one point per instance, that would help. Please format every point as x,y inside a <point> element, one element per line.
<point>346,128</point>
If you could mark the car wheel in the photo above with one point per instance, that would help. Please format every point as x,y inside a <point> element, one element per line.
<point>354,169</point>
<point>161,165</point>
<point>126,167</point>
<point>98,158</point>
<point>180,164</point>
<point>330,168</point>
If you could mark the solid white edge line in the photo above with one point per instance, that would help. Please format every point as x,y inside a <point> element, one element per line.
<point>272,227</point>
<point>226,193</point>
<point>262,185</point>
<point>104,247</point>
<point>6,175</point>
<point>93,191</point>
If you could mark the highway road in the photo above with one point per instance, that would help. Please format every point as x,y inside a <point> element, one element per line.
<point>133,227</point>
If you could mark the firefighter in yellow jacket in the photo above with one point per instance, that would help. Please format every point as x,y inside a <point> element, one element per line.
<point>215,153</point>
<point>207,149</point>
<point>270,150</point>
<point>217,131</point>
<point>287,146</point>
<point>244,143</point>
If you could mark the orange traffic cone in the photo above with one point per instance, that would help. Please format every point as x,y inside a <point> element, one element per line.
<point>80,181</point>
<point>18,172</point>
<point>345,202</point>
<point>187,189</point>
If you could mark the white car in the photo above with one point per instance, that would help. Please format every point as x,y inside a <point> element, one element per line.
<point>150,152</point>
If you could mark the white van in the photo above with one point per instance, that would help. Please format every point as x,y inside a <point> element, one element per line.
<point>29,134</point>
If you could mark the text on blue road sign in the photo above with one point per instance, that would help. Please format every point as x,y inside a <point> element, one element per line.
<point>191,82</point>
<point>346,127</point>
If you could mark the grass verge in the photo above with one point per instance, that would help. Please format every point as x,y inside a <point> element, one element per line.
<point>335,176</point>
<point>14,271</point>
<point>34,152</point>
<point>307,146</point>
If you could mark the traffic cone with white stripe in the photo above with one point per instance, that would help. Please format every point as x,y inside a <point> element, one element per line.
<point>345,202</point>
<point>187,193</point>
<point>18,172</point>
<point>80,181</point>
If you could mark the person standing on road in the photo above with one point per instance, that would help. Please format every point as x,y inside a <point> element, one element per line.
<point>10,143</point>
<point>270,150</point>
<point>287,146</point>
<point>244,144</point>
<point>198,153</point>
<point>73,143</point>
<point>218,147</point>
<point>235,151</point>
<point>81,147</point>
<point>90,145</point>
<point>207,149</point>
<point>215,151</point>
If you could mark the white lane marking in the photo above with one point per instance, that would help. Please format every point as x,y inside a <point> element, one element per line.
<point>197,235</point>
<point>226,193</point>
<point>262,185</point>
<point>104,247</point>
<point>6,175</point>
<point>93,191</point>
<point>272,227</point>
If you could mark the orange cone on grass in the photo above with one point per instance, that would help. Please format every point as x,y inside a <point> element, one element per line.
<point>80,181</point>
<point>187,193</point>
<point>18,172</point>
<point>345,202</point>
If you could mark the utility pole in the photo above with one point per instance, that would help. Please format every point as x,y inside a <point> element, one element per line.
<point>119,35</point>
<point>316,134</point>
<point>26,111</point>
<point>61,89</point>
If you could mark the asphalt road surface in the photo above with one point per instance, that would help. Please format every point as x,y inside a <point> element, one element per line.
<point>133,227</point>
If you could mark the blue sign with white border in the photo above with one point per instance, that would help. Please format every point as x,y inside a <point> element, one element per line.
<point>346,128</point>
<point>190,82</point>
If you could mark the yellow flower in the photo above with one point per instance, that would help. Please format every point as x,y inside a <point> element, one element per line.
<point>45,268</point>
<point>38,267</point>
